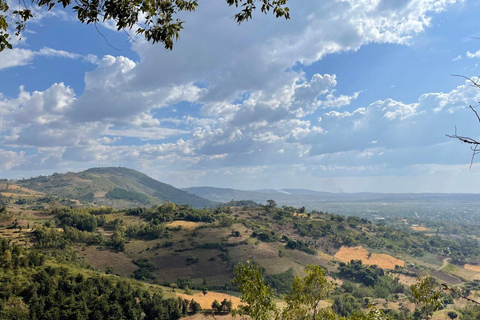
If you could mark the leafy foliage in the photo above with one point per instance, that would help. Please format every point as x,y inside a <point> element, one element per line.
<point>426,294</point>
<point>31,290</point>
<point>281,282</point>
<point>255,293</point>
<point>157,20</point>
<point>303,302</point>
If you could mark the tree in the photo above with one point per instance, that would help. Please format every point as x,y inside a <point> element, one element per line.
<point>256,295</point>
<point>195,306</point>
<point>157,20</point>
<point>271,203</point>
<point>346,305</point>
<point>452,314</point>
<point>303,302</point>
<point>216,306</point>
<point>426,294</point>
<point>226,305</point>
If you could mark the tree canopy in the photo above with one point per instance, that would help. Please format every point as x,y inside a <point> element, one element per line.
<point>157,20</point>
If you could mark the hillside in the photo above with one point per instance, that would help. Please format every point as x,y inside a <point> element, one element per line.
<point>112,186</point>
<point>186,248</point>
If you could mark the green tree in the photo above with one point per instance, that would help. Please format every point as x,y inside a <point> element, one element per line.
<point>303,302</point>
<point>452,314</point>
<point>346,305</point>
<point>271,203</point>
<point>256,295</point>
<point>157,20</point>
<point>425,293</point>
<point>216,306</point>
<point>195,306</point>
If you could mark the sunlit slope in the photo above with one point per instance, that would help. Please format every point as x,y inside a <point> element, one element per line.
<point>117,187</point>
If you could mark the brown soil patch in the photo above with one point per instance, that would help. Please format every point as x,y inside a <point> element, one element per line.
<point>206,300</point>
<point>384,261</point>
<point>445,277</point>
<point>472,267</point>
<point>186,225</point>
<point>405,280</point>
<point>418,228</point>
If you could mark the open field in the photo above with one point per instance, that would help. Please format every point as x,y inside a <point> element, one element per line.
<point>472,267</point>
<point>102,259</point>
<point>446,277</point>
<point>442,314</point>
<point>187,225</point>
<point>382,260</point>
<point>405,280</point>
<point>419,228</point>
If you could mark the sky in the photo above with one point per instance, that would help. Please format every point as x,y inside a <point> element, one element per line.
<point>346,96</point>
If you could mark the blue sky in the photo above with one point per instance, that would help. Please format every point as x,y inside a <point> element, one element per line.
<point>348,95</point>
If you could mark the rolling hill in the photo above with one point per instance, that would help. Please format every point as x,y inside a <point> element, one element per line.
<point>112,186</point>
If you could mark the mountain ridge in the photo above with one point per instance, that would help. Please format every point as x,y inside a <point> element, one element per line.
<point>112,186</point>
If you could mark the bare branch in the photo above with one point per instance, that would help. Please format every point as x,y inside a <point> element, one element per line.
<point>106,40</point>
<point>475,82</point>
<point>454,291</point>
<point>476,113</point>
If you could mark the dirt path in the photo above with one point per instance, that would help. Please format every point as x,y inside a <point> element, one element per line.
<point>445,262</point>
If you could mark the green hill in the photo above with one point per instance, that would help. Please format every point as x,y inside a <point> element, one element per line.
<point>198,249</point>
<point>117,187</point>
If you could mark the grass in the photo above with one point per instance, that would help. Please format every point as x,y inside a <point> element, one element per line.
<point>450,268</point>
<point>101,259</point>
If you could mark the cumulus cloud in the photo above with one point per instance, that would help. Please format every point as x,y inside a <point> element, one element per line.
<point>253,108</point>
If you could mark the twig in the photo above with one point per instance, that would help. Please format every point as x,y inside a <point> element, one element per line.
<point>475,83</point>
<point>106,40</point>
<point>452,290</point>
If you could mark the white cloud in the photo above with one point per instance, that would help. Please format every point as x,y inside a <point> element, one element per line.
<point>146,134</point>
<point>22,57</point>
<point>473,55</point>
<point>15,57</point>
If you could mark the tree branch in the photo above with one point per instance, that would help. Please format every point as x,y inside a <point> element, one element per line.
<point>452,290</point>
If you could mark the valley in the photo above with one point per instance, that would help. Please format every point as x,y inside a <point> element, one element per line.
<point>191,253</point>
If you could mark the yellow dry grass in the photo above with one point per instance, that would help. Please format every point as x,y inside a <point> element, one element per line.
<point>419,228</point>
<point>187,225</point>
<point>472,267</point>
<point>384,261</point>
<point>17,188</point>
<point>11,194</point>
<point>206,300</point>
<point>296,214</point>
